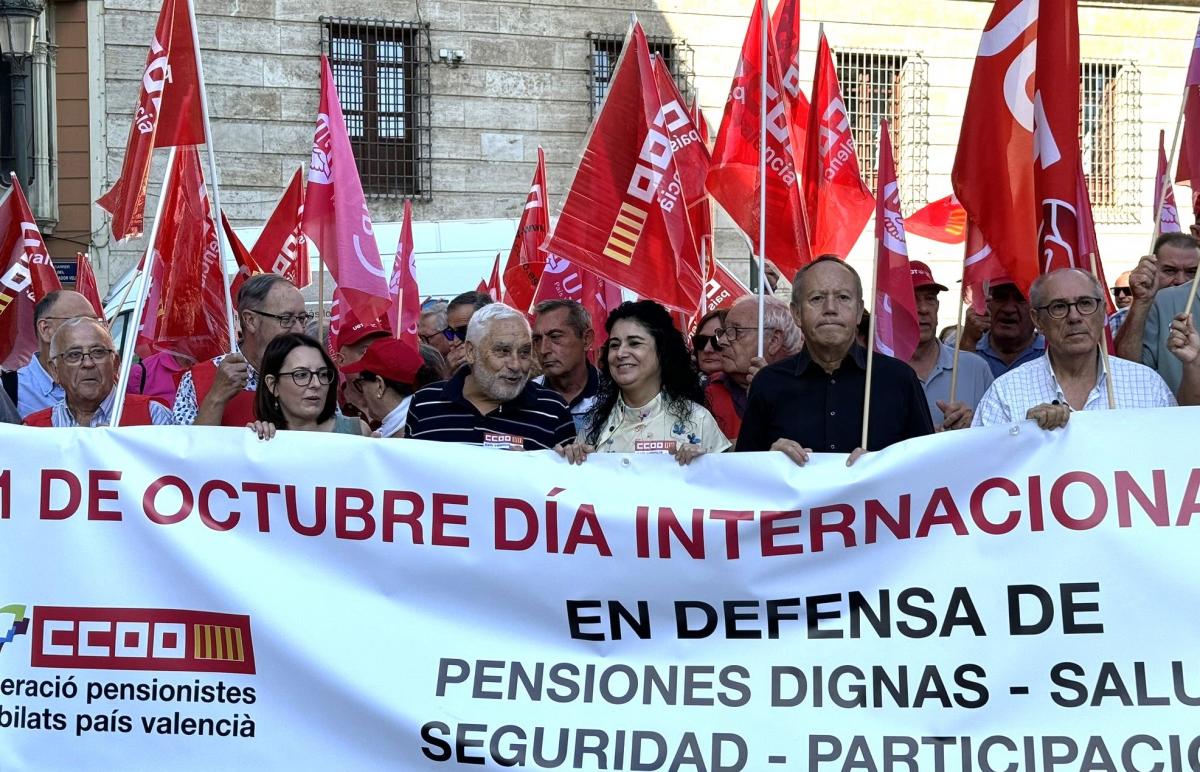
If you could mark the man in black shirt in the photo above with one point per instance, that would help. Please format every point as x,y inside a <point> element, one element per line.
<point>813,401</point>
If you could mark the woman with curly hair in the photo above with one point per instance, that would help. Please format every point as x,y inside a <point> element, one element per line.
<point>650,396</point>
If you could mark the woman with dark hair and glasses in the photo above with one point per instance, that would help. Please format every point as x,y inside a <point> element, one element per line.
<point>705,347</point>
<point>298,390</point>
<point>650,396</point>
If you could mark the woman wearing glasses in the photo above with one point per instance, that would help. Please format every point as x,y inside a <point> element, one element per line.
<point>650,396</point>
<point>298,390</point>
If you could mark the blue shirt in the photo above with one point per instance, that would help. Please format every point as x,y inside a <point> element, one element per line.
<point>999,367</point>
<point>974,378</point>
<point>36,390</point>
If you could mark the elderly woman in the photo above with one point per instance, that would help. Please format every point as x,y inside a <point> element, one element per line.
<point>386,378</point>
<point>650,395</point>
<point>298,390</point>
<point>705,346</point>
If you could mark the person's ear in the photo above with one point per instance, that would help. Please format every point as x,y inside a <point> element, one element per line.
<point>381,385</point>
<point>272,384</point>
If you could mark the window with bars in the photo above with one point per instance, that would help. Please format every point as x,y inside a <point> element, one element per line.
<point>606,49</point>
<point>1109,133</point>
<point>879,84</point>
<point>381,69</point>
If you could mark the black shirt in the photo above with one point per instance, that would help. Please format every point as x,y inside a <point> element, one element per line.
<point>797,400</point>
<point>441,413</point>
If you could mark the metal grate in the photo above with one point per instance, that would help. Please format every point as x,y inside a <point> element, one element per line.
<point>1110,127</point>
<point>381,69</point>
<point>606,49</point>
<point>878,84</point>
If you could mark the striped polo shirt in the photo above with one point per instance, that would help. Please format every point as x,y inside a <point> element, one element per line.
<point>538,416</point>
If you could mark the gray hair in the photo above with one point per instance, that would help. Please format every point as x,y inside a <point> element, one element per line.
<point>777,316</point>
<point>438,311</point>
<point>578,318</point>
<point>254,291</point>
<point>481,321</point>
<point>71,324</point>
<point>798,279</point>
<point>1037,290</point>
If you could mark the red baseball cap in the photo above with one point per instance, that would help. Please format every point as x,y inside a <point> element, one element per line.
<point>356,330</point>
<point>923,277</point>
<point>393,359</point>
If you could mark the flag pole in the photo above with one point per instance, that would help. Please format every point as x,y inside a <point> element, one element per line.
<point>958,320</point>
<point>866,418</point>
<point>222,246</point>
<point>1170,180</point>
<point>1108,376</point>
<point>139,307</point>
<point>765,23</point>
<point>321,299</point>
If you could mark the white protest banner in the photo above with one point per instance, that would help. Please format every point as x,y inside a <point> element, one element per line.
<point>990,599</point>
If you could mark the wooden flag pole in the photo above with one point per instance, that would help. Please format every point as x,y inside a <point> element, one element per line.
<point>866,417</point>
<point>1105,361</point>
<point>765,23</point>
<point>959,326</point>
<point>321,300</point>
<point>1162,194</point>
<point>214,180</point>
<point>139,307</point>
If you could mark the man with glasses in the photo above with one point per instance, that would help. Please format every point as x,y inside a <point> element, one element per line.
<point>32,387</point>
<point>1160,283</point>
<point>1067,306</point>
<point>458,316</point>
<point>432,326</point>
<point>84,360</point>
<point>220,392</point>
<point>738,343</point>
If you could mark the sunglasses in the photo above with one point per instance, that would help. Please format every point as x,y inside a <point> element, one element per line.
<point>1121,291</point>
<point>455,333</point>
<point>701,342</point>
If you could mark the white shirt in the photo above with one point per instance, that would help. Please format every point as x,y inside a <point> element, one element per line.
<point>393,422</point>
<point>1034,383</point>
<point>36,389</point>
<point>627,425</point>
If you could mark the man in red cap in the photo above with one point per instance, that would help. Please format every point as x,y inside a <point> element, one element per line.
<point>383,380</point>
<point>934,363</point>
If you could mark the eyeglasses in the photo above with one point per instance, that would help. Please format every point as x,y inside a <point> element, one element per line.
<point>287,321</point>
<point>1121,291</point>
<point>69,318</point>
<point>455,333</point>
<point>1058,309</point>
<point>733,332</point>
<point>701,342</point>
<point>427,339</point>
<point>302,376</point>
<point>75,356</point>
<point>359,384</point>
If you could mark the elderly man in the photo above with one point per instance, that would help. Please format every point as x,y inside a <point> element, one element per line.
<point>1068,307</point>
<point>1122,294</point>
<point>83,359</point>
<point>458,316</point>
<point>813,401</point>
<point>562,338</point>
<point>32,387</point>
<point>352,342</point>
<point>221,392</point>
<point>1160,285</point>
<point>433,322</point>
<point>1005,336</point>
<point>491,401</point>
<point>934,363</point>
<point>727,391</point>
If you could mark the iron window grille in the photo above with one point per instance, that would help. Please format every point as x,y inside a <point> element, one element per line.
<point>381,69</point>
<point>878,84</point>
<point>1110,130</point>
<point>606,49</point>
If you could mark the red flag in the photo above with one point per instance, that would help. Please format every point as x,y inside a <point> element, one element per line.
<point>702,216</point>
<point>85,283</point>
<point>191,311</point>
<point>690,149</point>
<point>27,277</point>
<point>837,200</point>
<point>981,268</point>
<point>896,329</point>
<point>1168,220</point>
<point>492,286</point>
<point>562,279</point>
<point>525,262</point>
<point>943,220</point>
<point>1187,171</point>
<point>167,114</point>
<point>405,312</point>
<point>335,210</point>
<point>623,217</point>
<point>733,177</point>
<point>281,247</point>
<point>1089,245</point>
<point>151,311</point>
<point>246,262</point>
<point>785,26</point>
<point>1018,153</point>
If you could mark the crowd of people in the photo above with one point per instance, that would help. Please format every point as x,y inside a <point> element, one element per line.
<point>487,374</point>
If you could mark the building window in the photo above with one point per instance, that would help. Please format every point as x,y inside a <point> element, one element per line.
<point>382,74</point>
<point>1110,129</point>
<point>606,49</point>
<point>894,85</point>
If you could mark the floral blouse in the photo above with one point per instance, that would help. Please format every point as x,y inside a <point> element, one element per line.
<point>626,426</point>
